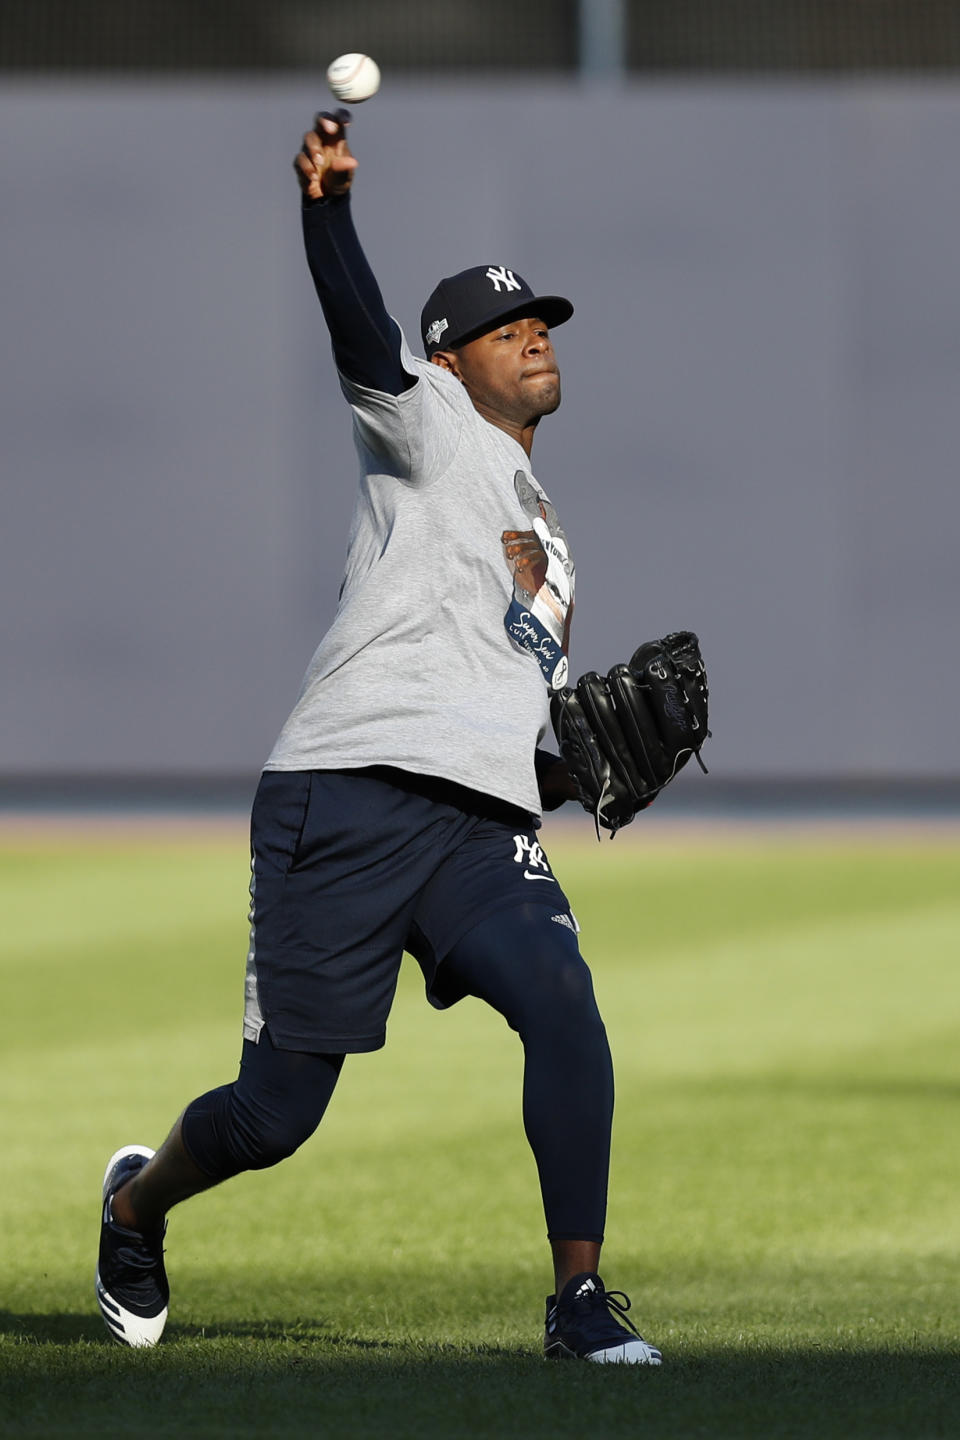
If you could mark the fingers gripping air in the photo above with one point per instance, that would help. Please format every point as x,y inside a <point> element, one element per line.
<point>626,734</point>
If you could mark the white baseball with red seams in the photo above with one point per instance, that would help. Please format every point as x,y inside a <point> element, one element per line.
<point>354,78</point>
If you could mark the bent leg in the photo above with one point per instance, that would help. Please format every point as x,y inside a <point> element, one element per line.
<point>530,969</point>
<point>274,1105</point>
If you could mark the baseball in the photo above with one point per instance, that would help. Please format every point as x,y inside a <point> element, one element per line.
<point>354,78</point>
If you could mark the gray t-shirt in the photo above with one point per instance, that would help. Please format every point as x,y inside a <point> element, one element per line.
<point>449,633</point>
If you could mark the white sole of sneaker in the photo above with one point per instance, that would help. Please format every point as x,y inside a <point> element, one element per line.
<point>137,1331</point>
<point>631,1352</point>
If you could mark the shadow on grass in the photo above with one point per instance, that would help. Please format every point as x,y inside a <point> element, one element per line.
<point>63,1329</point>
<point>62,1376</point>
<point>47,1329</point>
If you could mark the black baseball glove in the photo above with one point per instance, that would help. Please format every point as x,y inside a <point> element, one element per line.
<point>625,735</point>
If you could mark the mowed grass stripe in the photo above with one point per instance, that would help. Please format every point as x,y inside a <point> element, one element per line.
<point>829,989</point>
<point>783,1016</point>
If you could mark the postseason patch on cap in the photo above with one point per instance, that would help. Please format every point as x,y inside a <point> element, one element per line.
<point>432,336</point>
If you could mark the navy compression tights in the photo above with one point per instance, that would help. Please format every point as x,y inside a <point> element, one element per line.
<point>527,967</point>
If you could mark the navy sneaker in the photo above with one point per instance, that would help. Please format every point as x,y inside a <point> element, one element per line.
<point>582,1324</point>
<point>132,1289</point>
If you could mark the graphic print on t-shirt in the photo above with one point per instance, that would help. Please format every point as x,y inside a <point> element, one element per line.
<point>540,612</point>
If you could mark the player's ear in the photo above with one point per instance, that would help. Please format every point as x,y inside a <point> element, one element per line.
<point>447,360</point>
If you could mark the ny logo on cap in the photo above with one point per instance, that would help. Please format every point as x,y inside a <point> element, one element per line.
<point>499,274</point>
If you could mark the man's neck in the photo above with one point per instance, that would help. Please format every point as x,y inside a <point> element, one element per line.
<point>522,434</point>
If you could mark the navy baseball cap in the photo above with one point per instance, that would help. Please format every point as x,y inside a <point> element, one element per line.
<point>467,305</point>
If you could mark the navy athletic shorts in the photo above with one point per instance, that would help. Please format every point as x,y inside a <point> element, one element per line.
<point>352,867</point>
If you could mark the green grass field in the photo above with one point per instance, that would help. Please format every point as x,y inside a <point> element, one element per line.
<point>784,1016</point>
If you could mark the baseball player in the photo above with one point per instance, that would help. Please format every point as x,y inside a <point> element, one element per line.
<point>399,808</point>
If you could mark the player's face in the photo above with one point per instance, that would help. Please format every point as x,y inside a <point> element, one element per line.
<point>511,373</point>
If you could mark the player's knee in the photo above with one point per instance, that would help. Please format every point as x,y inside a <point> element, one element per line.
<point>576,1028</point>
<point>261,1135</point>
<point>228,1131</point>
<point>561,1003</point>
<point>572,985</point>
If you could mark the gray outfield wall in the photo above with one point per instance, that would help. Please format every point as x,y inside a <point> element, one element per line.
<point>758,438</point>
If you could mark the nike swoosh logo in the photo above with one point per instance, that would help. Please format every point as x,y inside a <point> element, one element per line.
<point>528,876</point>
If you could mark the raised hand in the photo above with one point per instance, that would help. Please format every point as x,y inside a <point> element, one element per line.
<point>324,165</point>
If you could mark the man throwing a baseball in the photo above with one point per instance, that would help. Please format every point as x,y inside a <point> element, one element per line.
<point>400,805</point>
